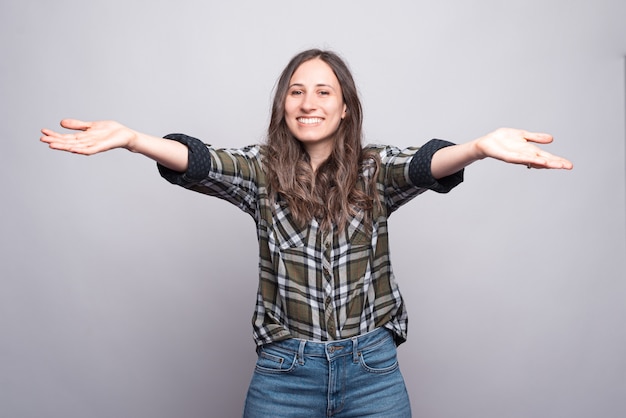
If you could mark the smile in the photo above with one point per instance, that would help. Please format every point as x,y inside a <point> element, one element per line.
<point>309,121</point>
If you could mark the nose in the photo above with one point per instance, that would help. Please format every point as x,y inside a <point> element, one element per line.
<point>308,103</point>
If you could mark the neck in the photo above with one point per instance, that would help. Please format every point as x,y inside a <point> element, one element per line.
<point>317,155</point>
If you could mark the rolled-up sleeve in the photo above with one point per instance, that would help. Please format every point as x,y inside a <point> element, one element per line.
<point>420,172</point>
<point>198,165</point>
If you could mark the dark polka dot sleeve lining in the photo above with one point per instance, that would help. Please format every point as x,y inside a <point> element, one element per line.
<point>199,162</point>
<point>419,169</point>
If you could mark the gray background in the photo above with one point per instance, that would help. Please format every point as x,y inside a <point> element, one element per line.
<point>123,296</point>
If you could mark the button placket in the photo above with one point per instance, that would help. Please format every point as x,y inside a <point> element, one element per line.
<point>329,314</point>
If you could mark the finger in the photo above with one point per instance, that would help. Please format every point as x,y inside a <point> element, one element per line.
<point>553,165</point>
<point>73,146</point>
<point>49,133</point>
<point>559,163</point>
<point>75,124</point>
<point>555,161</point>
<point>547,160</point>
<point>65,142</point>
<point>51,136</point>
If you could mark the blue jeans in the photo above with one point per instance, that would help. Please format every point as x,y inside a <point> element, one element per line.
<point>357,377</point>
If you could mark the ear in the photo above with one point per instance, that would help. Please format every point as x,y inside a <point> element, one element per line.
<point>345,110</point>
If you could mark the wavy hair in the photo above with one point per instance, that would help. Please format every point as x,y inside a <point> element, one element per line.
<point>331,193</point>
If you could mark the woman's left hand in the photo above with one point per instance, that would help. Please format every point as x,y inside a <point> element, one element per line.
<point>518,147</point>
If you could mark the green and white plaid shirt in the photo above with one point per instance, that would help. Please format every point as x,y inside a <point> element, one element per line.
<point>314,284</point>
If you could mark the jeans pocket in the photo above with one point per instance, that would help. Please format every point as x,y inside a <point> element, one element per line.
<point>380,359</point>
<point>272,361</point>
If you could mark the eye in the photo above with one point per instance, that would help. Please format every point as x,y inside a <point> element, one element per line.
<point>324,93</point>
<point>295,92</point>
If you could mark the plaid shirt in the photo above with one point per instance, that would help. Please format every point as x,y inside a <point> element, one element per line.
<point>314,284</point>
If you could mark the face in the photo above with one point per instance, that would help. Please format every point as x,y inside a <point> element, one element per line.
<point>314,105</point>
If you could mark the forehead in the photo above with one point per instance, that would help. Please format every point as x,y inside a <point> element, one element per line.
<point>314,71</point>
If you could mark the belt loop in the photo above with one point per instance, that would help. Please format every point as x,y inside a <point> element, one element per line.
<point>355,350</point>
<point>301,352</point>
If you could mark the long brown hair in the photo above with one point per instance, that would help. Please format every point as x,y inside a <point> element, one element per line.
<point>329,194</point>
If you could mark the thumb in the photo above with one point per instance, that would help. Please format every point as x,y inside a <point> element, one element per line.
<point>75,124</point>
<point>539,137</point>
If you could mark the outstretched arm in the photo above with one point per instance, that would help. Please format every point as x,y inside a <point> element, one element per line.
<point>513,146</point>
<point>94,137</point>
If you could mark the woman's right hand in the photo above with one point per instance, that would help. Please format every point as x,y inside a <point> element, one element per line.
<point>90,137</point>
<point>94,137</point>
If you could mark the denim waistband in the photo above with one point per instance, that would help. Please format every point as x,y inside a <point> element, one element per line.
<point>335,348</point>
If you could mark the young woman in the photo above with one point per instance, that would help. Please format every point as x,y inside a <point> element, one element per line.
<point>329,314</point>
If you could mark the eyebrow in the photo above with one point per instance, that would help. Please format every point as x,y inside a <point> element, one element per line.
<point>317,85</point>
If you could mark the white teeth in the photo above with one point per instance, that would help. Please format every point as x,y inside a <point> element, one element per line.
<point>309,120</point>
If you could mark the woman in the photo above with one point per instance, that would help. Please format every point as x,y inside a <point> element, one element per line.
<point>329,314</point>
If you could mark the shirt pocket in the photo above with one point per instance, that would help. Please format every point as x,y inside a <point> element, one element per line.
<point>286,234</point>
<point>357,234</point>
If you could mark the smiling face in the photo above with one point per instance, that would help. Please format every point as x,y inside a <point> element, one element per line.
<point>314,106</point>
